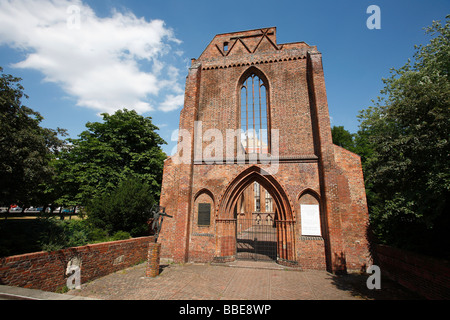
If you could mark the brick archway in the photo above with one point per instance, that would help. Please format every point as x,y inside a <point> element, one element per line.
<point>284,216</point>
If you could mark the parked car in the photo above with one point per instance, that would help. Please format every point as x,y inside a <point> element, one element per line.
<point>34,209</point>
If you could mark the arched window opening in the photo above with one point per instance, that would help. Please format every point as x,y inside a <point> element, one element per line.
<point>254,138</point>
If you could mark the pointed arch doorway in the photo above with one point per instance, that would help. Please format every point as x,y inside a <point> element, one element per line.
<point>256,232</point>
<point>244,233</point>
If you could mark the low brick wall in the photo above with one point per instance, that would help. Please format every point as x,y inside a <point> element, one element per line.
<point>426,276</point>
<point>47,270</point>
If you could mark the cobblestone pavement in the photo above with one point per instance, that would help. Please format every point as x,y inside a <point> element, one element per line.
<point>238,281</point>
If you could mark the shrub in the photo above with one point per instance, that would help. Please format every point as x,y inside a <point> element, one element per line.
<point>120,235</point>
<point>97,235</point>
<point>76,232</point>
<point>127,208</point>
<point>52,236</point>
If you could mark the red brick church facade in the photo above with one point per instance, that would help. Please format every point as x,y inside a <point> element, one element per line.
<point>255,145</point>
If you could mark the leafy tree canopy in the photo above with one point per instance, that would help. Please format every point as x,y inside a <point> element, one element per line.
<point>343,138</point>
<point>26,147</point>
<point>125,144</point>
<point>407,131</point>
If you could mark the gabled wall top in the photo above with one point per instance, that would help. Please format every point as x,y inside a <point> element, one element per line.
<point>249,43</point>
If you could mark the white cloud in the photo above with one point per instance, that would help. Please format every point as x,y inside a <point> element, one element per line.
<point>172,102</point>
<point>105,63</point>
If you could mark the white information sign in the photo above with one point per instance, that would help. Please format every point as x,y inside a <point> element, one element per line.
<point>310,216</point>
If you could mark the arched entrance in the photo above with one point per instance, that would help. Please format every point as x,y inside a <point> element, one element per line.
<point>271,237</point>
<point>256,233</point>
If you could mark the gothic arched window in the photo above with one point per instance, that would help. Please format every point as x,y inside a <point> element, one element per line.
<point>254,137</point>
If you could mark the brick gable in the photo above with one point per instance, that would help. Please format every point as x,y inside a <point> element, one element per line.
<point>304,154</point>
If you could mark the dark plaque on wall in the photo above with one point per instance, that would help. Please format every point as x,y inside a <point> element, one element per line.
<point>204,214</point>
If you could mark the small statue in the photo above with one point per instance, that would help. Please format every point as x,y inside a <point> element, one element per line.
<point>158,214</point>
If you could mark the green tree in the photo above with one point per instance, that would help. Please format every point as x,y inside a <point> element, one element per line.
<point>127,208</point>
<point>26,148</point>
<point>125,144</point>
<point>407,167</point>
<point>358,143</point>
<point>343,138</point>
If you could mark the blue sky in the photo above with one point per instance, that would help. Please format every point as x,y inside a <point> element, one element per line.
<point>113,53</point>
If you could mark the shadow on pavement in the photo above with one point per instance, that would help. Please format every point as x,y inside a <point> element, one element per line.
<point>356,285</point>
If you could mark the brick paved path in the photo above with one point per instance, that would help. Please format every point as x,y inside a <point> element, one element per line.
<point>212,282</point>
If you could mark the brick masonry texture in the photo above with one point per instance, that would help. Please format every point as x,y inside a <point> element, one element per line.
<point>426,276</point>
<point>153,260</point>
<point>47,270</point>
<point>311,167</point>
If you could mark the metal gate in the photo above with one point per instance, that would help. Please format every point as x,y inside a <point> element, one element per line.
<point>256,240</point>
